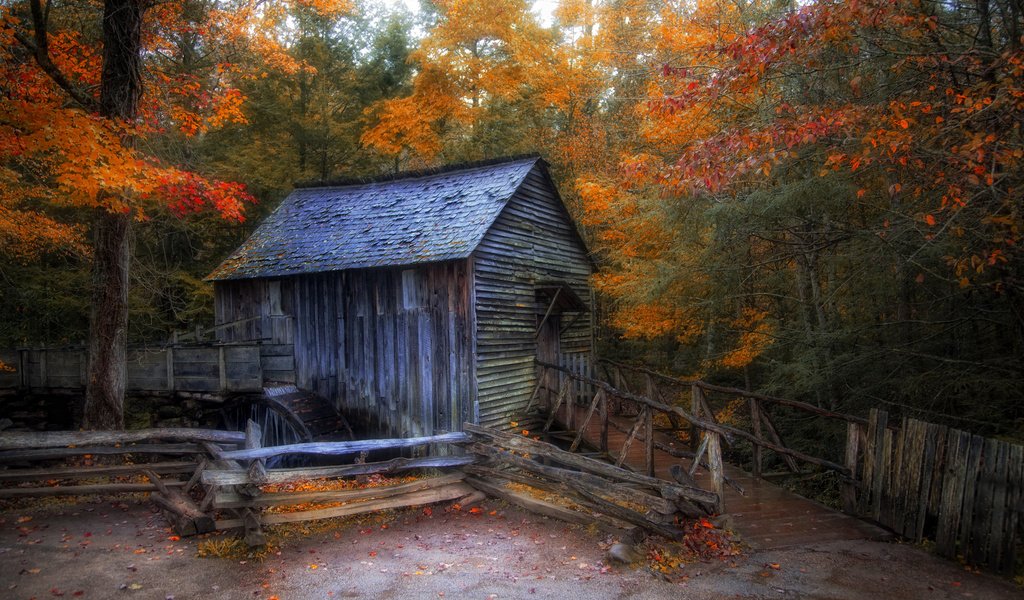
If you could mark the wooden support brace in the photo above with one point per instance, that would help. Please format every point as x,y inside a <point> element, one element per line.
<point>629,439</point>
<point>558,403</point>
<point>586,421</point>
<point>789,460</point>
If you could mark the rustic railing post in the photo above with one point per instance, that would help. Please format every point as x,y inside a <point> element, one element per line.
<point>755,420</point>
<point>717,468</point>
<point>604,423</point>
<point>649,443</point>
<point>170,368</point>
<point>696,401</point>
<point>850,462</point>
<point>223,369</point>
<point>23,376</point>
<point>257,475</point>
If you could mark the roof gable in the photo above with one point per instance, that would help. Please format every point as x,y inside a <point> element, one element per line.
<point>405,221</point>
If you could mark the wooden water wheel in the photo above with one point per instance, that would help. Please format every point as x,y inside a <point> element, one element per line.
<point>287,415</point>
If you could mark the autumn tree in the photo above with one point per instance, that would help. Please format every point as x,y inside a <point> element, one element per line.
<point>840,179</point>
<point>75,125</point>
<point>472,95</point>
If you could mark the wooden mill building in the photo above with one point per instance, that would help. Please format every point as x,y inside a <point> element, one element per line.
<point>421,301</point>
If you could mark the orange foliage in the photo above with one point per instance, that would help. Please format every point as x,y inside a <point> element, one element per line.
<point>54,152</point>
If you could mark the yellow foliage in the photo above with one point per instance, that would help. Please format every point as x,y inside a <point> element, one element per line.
<point>755,337</point>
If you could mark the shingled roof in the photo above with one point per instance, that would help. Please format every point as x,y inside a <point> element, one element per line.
<point>416,218</point>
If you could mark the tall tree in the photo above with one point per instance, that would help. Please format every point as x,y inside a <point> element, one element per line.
<point>831,187</point>
<point>76,117</point>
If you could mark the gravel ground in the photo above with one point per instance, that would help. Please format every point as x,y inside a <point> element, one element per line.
<point>122,549</point>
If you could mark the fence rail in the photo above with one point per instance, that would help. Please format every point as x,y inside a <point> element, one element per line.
<point>225,482</point>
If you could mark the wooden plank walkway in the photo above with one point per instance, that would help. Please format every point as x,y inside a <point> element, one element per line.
<point>768,516</point>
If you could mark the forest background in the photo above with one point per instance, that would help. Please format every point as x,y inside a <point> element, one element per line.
<point>819,200</point>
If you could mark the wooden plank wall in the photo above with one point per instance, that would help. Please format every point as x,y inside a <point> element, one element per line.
<point>262,309</point>
<point>963,491</point>
<point>391,347</point>
<point>531,242</point>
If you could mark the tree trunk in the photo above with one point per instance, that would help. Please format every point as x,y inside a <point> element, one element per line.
<point>108,322</point>
<point>120,90</point>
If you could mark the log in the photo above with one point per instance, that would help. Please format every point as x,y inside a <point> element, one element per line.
<point>571,478</point>
<point>471,500</point>
<point>536,505</point>
<point>55,453</point>
<point>228,499</point>
<point>449,492</point>
<point>253,440</point>
<point>246,487</point>
<point>344,448</point>
<point>667,490</point>
<point>184,516</point>
<point>614,510</point>
<point>220,477</point>
<point>83,490</point>
<point>43,474</point>
<point>11,440</point>
<point>253,526</point>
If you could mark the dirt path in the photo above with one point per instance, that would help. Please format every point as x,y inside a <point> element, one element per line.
<point>118,549</point>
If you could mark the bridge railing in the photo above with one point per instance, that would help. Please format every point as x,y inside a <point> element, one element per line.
<point>921,480</point>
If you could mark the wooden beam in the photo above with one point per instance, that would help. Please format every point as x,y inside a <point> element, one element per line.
<point>257,470</point>
<point>548,313</point>
<point>83,490</point>
<point>219,477</point>
<point>48,453</point>
<point>43,474</point>
<point>345,448</point>
<point>11,440</point>
<point>569,477</point>
<point>667,489</point>
<point>449,492</point>
<point>227,499</point>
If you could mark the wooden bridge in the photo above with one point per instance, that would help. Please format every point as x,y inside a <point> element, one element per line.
<point>914,480</point>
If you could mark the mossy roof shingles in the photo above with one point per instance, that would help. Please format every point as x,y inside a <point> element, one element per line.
<point>404,221</point>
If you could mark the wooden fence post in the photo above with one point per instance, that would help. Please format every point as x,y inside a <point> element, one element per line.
<point>850,487</point>
<point>23,369</point>
<point>649,443</point>
<point>755,420</point>
<point>717,469</point>
<point>696,401</point>
<point>170,368</point>
<point>604,422</point>
<point>257,473</point>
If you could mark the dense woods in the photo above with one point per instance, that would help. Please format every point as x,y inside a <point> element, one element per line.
<point>819,200</point>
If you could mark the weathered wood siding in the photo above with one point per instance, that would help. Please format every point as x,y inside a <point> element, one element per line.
<point>255,310</point>
<point>532,242</point>
<point>197,368</point>
<point>391,347</point>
